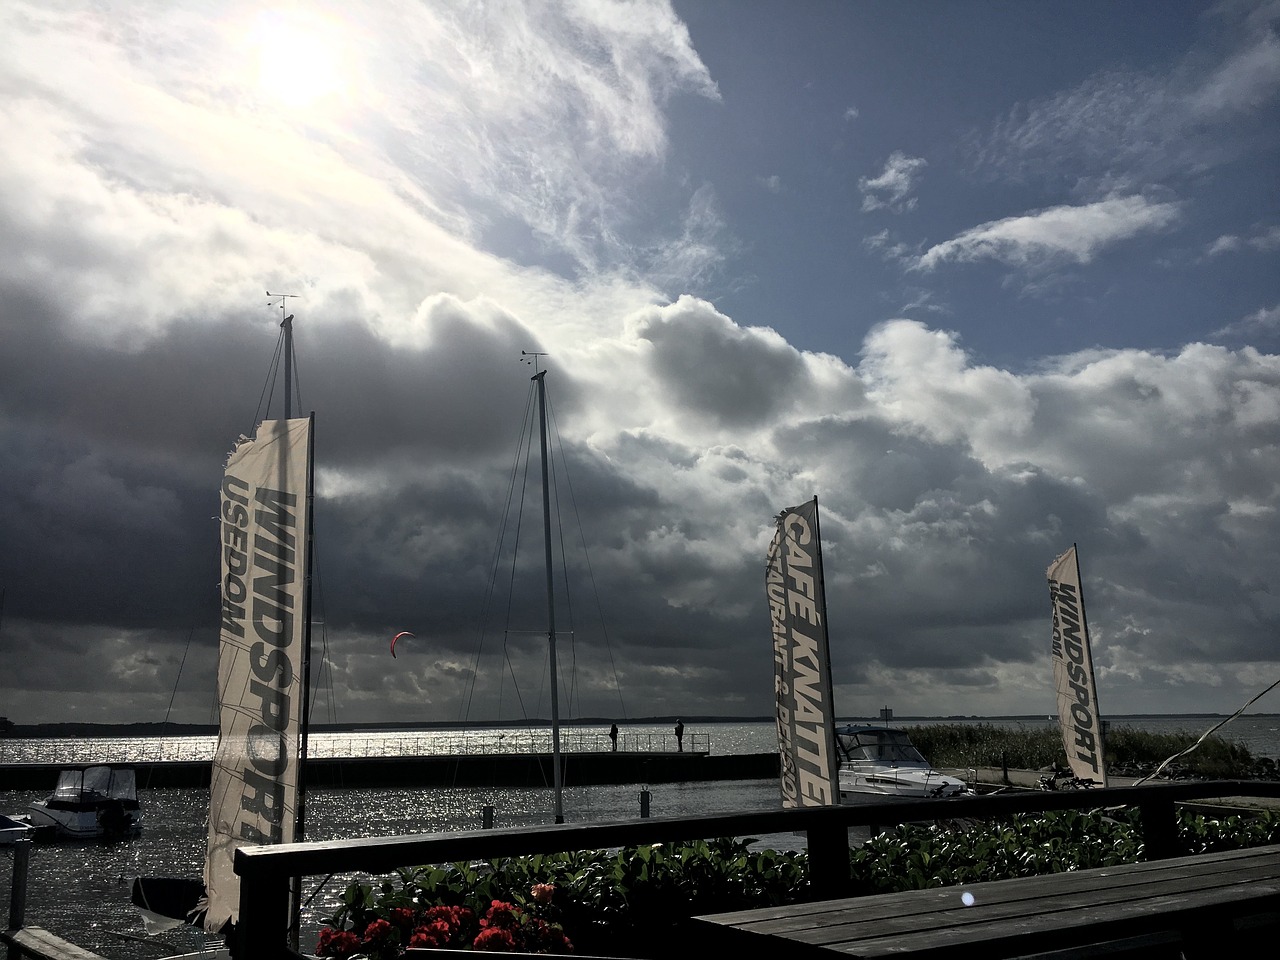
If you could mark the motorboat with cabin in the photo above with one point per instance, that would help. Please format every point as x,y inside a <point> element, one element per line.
<point>13,829</point>
<point>90,802</point>
<point>879,763</point>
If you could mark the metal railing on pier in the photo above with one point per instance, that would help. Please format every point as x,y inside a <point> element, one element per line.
<point>333,745</point>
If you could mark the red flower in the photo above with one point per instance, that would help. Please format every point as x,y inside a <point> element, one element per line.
<point>336,943</point>
<point>377,931</point>
<point>402,917</point>
<point>437,934</point>
<point>501,914</point>
<point>494,938</point>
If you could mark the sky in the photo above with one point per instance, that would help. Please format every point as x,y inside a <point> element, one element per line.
<point>988,279</point>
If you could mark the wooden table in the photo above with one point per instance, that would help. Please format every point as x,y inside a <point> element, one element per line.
<point>1198,905</point>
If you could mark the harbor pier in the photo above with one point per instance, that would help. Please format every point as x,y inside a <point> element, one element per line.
<point>469,770</point>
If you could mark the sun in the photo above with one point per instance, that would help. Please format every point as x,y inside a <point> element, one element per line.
<point>299,59</point>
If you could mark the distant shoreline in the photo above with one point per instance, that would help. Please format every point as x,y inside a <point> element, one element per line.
<point>161,729</point>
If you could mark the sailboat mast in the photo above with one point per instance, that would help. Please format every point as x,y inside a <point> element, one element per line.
<point>540,377</point>
<point>829,687</point>
<point>288,366</point>
<point>300,814</point>
<point>1093,682</point>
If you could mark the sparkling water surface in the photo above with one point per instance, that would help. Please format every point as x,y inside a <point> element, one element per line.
<point>80,890</point>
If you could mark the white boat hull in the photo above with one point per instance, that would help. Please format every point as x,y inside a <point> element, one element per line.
<point>13,829</point>
<point>90,802</point>
<point>896,783</point>
<point>880,764</point>
<point>81,824</point>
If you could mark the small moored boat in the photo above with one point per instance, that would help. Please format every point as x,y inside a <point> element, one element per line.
<point>881,763</point>
<point>13,829</point>
<point>90,802</point>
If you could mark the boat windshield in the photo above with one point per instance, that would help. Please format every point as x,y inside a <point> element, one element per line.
<point>879,746</point>
<point>96,782</point>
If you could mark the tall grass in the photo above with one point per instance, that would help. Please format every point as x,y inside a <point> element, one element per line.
<point>986,745</point>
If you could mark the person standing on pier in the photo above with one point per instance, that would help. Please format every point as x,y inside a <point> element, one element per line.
<point>613,735</point>
<point>680,736</point>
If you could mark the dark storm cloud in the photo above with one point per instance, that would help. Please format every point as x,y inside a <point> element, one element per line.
<point>718,370</point>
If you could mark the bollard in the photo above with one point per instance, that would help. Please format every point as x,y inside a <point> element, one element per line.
<point>644,803</point>
<point>18,884</point>
<point>486,817</point>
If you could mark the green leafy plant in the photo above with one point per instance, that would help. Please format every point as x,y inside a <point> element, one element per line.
<point>634,902</point>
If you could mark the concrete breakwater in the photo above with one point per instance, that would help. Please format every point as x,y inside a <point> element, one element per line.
<point>478,770</point>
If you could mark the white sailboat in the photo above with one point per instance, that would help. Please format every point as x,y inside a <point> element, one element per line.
<point>820,764</point>
<point>257,793</point>
<point>1072,657</point>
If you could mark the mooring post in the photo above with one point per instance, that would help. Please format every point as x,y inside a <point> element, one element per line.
<point>486,817</point>
<point>1159,828</point>
<point>18,886</point>
<point>644,803</point>
<point>828,846</point>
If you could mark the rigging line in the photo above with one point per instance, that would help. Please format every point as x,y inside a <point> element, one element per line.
<point>269,386</point>
<point>571,688</point>
<point>1204,736</point>
<point>174,694</point>
<point>496,560</point>
<point>325,668</point>
<point>515,685</point>
<point>464,706</point>
<point>591,576</point>
<point>527,429</point>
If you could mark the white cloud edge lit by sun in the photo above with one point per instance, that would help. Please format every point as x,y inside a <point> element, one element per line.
<point>1264,320</point>
<point>1261,240</point>
<point>891,188</point>
<point>1071,233</point>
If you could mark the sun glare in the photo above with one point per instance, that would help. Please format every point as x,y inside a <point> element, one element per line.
<point>299,60</point>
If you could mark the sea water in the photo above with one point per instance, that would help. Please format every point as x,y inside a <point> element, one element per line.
<point>80,890</point>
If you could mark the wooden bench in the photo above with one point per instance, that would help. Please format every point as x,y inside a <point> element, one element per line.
<point>36,943</point>
<point>1181,906</point>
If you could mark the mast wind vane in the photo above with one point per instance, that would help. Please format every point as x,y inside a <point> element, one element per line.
<point>282,297</point>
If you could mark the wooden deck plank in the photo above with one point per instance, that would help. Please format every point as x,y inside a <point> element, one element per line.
<point>995,935</point>
<point>1182,897</point>
<point>914,904</point>
<point>39,944</point>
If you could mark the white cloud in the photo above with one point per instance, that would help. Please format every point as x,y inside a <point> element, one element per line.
<point>1262,240</point>
<point>920,378</point>
<point>891,188</point>
<point>891,249</point>
<point>1073,233</point>
<point>470,196</point>
<point>1264,321</point>
<point>1159,125</point>
<point>1247,79</point>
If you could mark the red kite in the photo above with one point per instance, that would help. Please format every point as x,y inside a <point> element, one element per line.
<point>402,633</point>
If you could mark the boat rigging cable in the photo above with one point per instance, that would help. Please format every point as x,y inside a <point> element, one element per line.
<point>510,527</point>
<point>1205,736</point>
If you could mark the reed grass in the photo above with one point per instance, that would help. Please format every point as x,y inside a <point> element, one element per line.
<point>1038,748</point>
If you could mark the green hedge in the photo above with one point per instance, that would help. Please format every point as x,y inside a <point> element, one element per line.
<point>633,902</point>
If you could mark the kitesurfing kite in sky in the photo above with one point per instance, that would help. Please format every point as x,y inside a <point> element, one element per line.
<point>402,633</point>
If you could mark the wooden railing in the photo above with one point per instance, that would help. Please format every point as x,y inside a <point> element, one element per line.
<point>265,871</point>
